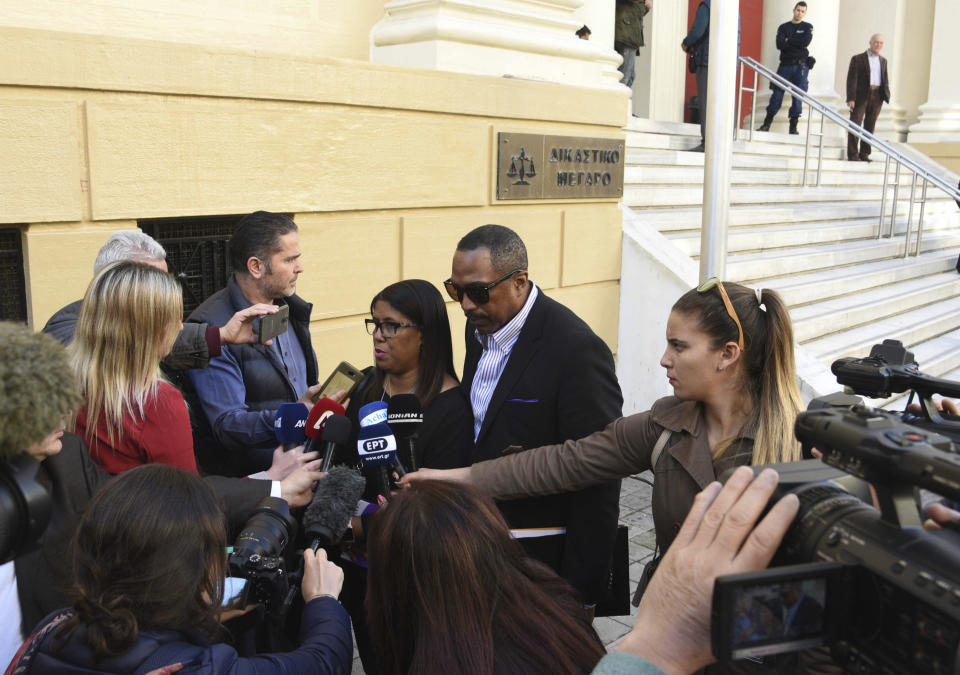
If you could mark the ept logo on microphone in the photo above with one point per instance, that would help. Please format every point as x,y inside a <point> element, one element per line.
<point>376,445</point>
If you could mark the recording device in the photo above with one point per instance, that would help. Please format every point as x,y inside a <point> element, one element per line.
<point>320,413</point>
<point>258,554</point>
<point>270,326</point>
<point>891,369</point>
<point>874,586</point>
<point>405,416</point>
<point>290,424</point>
<point>335,432</point>
<point>372,413</point>
<point>377,448</point>
<point>334,502</point>
<point>343,378</point>
<point>24,506</point>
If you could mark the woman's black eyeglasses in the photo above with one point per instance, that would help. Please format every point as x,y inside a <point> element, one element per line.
<point>388,329</point>
<point>479,295</point>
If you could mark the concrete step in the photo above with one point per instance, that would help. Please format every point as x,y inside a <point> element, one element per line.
<point>689,195</point>
<point>746,160</point>
<point>910,327</point>
<point>665,142</point>
<point>801,214</point>
<point>802,289</point>
<point>848,311</point>
<point>750,267</point>
<point>686,175</point>
<point>768,237</point>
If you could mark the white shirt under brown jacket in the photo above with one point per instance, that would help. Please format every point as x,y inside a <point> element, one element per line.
<point>623,448</point>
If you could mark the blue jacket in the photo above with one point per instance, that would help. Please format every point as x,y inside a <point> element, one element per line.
<point>240,391</point>
<point>325,647</point>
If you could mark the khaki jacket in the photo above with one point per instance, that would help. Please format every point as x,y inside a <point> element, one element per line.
<point>623,448</point>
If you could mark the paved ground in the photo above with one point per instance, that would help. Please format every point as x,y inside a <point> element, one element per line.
<point>635,513</point>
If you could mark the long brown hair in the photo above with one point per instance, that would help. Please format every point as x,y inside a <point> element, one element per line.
<point>148,554</point>
<point>767,362</point>
<point>450,591</point>
<point>128,322</point>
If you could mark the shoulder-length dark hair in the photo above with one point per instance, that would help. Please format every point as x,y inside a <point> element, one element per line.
<point>449,591</point>
<point>421,302</point>
<point>149,553</point>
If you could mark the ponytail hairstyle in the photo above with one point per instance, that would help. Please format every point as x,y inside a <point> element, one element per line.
<point>148,554</point>
<point>767,364</point>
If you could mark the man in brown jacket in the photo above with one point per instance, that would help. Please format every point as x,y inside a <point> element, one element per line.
<point>867,89</point>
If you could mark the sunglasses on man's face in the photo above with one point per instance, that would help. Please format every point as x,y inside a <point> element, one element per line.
<point>479,295</point>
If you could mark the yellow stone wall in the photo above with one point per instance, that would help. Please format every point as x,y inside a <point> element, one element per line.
<point>385,168</point>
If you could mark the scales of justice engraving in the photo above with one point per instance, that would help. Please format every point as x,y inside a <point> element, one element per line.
<point>523,172</point>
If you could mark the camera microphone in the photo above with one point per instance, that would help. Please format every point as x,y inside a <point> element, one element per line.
<point>290,424</point>
<point>405,416</point>
<point>334,502</point>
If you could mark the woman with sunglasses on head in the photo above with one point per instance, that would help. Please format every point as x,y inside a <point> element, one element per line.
<point>729,358</point>
<point>413,354</point>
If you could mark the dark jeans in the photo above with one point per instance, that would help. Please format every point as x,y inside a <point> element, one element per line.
<point>795,75</point>
<point>702,98</point>
<point>865,112</point>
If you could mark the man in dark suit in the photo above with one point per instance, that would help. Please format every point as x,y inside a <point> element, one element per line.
<point>536,375</point>
<point>867,89</point>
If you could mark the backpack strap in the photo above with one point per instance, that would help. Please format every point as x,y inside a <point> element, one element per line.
<point>658,448</point>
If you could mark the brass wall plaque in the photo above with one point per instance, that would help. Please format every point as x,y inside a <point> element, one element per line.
<point>535,166</point>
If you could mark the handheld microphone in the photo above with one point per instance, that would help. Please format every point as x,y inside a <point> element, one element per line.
<point>319,414</point>
<point>334,502</point>
<point>335,432</point>
<point>290,424</point>
<point>372,413</point>
<point>405,415</point>
<point>377,448</point>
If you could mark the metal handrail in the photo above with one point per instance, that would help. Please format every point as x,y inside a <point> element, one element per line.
<point>888,150</point>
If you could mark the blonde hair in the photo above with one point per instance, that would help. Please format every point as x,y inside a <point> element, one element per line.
<point>128,321</point>
<point>767,361</point>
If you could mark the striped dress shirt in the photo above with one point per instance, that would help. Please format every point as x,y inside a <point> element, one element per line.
<point>496,352</point>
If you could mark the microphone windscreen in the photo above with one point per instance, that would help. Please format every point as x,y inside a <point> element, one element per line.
<point>319,414</point>
<point>337,430</point>
<point>372,413</point>
<point>376,445</point>
<point>290,423</point>
<point>404,415</point>
<point>334,503</point>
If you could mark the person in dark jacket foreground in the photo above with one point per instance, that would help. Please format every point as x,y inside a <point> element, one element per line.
<point>149,577</point>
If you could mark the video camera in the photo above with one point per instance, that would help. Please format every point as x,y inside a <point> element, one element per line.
<point>891,369</point>
<point>874,586</point>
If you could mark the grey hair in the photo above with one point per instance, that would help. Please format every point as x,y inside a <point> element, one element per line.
<point>128,245</point>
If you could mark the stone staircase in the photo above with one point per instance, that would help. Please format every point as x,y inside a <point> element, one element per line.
<point>817,246</point>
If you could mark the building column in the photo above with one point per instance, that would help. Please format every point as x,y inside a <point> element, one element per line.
<point>940,116</point>
<point>906,28</point>
<point>824,16</point>
<point>661,65</point>
<point>531,39</point>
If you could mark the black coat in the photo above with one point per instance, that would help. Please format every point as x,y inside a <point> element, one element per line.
<point>558,384</point>
<point>71,477</point>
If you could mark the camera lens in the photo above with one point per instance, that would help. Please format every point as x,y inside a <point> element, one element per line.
<point>267,532</point>
<point>821,505</point>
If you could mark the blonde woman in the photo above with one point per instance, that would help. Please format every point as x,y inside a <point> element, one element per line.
<point>729,358</point>
<point>130,317</point>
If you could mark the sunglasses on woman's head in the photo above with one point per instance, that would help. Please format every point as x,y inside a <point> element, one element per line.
<point>709,285</point>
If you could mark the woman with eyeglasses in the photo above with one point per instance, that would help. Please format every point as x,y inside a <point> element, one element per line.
<point>729,358</point>
<point>413,354</point>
